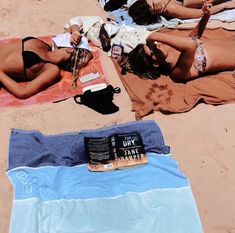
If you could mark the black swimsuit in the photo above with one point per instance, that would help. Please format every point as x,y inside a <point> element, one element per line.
<point>30,58</point>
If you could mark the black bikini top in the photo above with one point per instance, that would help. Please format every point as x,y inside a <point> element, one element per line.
<point>30,58</point>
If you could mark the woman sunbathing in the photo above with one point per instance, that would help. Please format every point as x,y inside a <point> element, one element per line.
<point>146,12</point>
<point>38,64</point>
<point>183,57</point>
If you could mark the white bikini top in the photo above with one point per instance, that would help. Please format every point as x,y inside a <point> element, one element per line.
<point>63,40</point>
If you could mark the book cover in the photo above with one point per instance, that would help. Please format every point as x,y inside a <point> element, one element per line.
<point>115,152</point>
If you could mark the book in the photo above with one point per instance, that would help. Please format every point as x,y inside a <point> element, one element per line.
<point>116,151</point>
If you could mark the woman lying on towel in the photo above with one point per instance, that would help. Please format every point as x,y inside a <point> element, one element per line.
<point>38,64</point>
<point>183,57</point>
<point>146,12</point>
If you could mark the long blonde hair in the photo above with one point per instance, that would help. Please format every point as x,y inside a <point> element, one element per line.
<point>79,58</point>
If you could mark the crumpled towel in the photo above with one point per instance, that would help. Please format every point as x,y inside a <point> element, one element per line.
<point>165,95</point>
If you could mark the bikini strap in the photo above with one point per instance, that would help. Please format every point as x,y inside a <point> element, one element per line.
<point>31,38</point>
<point>163,9</point>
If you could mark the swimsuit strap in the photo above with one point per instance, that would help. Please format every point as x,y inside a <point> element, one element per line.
<point>165,6</point>
<point>26,39</point>
<point>31,38</point>
<point>23,56</point>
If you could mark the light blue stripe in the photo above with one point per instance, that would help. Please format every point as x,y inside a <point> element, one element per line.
<point>156,211</point>
<point>54,183</point>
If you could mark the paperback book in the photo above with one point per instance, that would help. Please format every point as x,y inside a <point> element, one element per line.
<point>116,151</point>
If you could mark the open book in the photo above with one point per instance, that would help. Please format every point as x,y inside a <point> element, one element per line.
<point>115,151</point>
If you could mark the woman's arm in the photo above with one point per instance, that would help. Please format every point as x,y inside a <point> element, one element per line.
<point>199,29</point>
<point>181,12</point>
<point>44,80</point>
<point>181,71</point>
<point>185,45</point>
<point>73,28</point>
<point>180,43</point>
<point>76,36</point>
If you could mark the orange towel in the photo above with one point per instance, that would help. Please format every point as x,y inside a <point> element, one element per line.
<point>165,95</point>
<point>62,89</point>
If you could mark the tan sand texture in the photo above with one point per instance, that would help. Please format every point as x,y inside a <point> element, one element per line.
<point>201,140</point>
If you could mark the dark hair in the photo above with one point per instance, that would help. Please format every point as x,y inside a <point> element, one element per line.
<point>141,64</point>
<point>79,58</point>
<point>141,13</point>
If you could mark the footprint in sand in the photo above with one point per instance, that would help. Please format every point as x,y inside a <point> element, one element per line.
<point>5,12</point>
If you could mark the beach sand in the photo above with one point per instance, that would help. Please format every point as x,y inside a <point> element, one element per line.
<point>202,140</point>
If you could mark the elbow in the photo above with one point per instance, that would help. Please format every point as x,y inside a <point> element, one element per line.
<point>177,78</point>
<point>189,48</point>
<point>180,78</point>
<point>22,95</point>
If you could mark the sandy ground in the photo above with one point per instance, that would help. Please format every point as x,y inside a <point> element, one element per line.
<point>202,140</point>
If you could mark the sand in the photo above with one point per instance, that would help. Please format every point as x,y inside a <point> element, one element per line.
<point>202,140</point>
